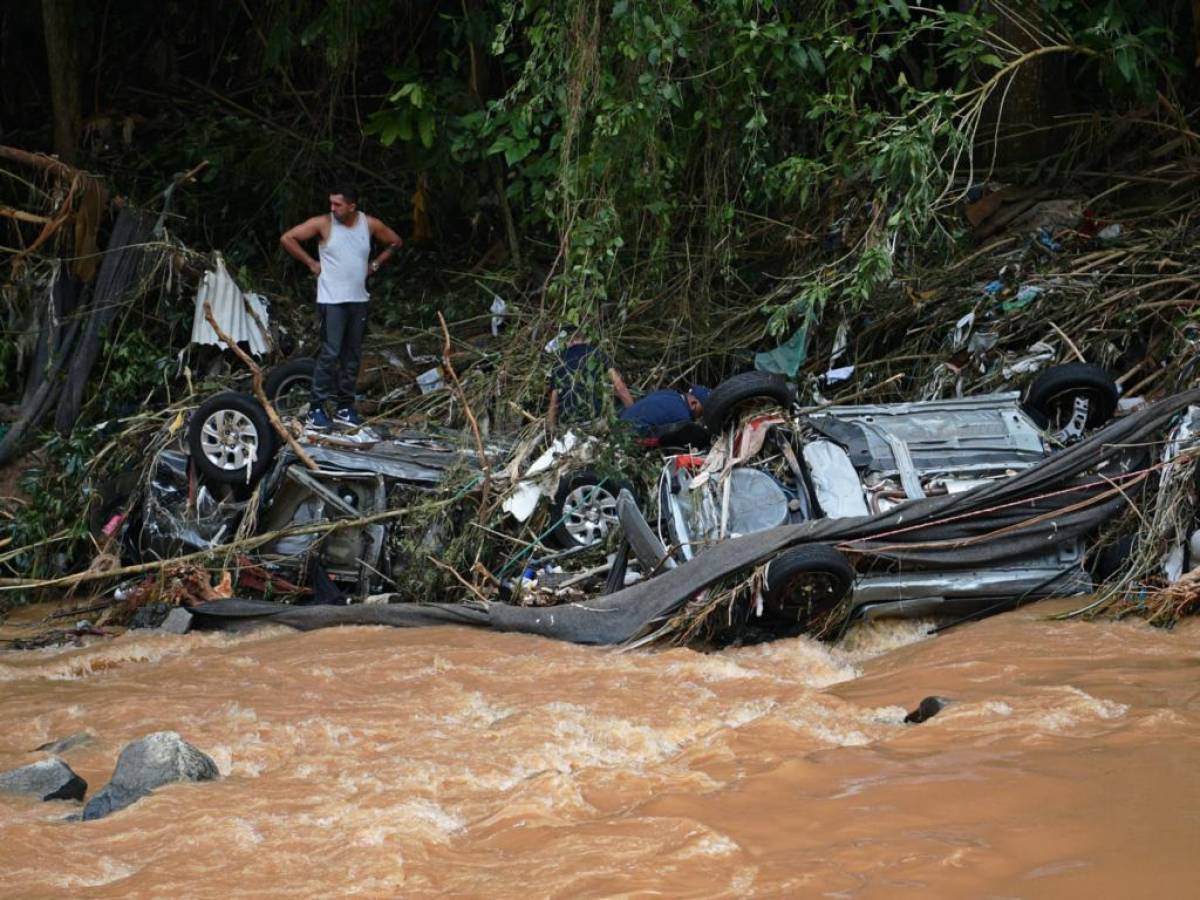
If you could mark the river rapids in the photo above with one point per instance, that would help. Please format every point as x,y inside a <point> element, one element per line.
<point>380,762</point>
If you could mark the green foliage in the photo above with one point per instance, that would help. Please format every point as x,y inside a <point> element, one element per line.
<point>57,508</point>
<point>1134,41</point>
<point>135,366</point>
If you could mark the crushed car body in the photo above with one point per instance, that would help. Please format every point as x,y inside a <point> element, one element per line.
<point>949,507</point>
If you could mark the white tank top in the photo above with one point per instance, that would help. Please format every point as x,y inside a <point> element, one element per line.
<point>344,259</point>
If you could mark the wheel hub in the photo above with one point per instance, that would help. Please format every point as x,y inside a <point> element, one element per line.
<point>589,512</point>
<point>229,440</point>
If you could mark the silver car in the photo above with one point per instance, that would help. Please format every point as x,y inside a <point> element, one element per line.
<point>773,463</point>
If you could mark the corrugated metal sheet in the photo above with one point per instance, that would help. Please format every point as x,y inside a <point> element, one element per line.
<point>229,309</point>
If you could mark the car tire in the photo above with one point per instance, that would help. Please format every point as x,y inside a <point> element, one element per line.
<point>1109,560</point>
<point>1051,397</point>
<point>733,393</point>
<point>288,386</point>
<point>803,583</point>
<point>230,439</point>
<point>585,509</point>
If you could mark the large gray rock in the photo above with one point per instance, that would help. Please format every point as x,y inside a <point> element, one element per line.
<point>49,779</point>
<point>157,759</point>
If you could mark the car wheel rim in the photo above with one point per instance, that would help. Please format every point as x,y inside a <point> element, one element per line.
<point>589,513</point>
<point>229,440</point>
<point>1071,413</point>
<point>293,397</point>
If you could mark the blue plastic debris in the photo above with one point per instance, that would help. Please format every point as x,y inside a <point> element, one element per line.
<point>1025,296</point>
<point>1046,239</point>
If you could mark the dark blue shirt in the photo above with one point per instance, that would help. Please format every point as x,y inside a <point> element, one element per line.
<point>656,410</point>
<point>581,379</point>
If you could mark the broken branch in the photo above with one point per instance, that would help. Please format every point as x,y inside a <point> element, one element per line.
<point>259,391</point>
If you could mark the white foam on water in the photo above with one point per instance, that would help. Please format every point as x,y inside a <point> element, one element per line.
<point>418,818</point>
<point>93,661</point>
<point>105,870</point>
<point>709,844</point>
<point>745,713</point>
<point>838,737</point>
<point>476,711</point>
<point>70,663</point>
<point>865,640</point>
<point>886,715</point>
<point>799,660</point>
<point>705,667</point>
<point>1078,708</point>
<point>245,835</point>
<point>379,886</point>
<point>743,880</point>
<point>838,724</point>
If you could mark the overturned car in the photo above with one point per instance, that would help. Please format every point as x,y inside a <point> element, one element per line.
<point>340,503</point>
<point>948,507</point>
<point>781,466</point>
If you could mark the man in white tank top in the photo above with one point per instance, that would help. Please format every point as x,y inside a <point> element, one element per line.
<point>342,271</point>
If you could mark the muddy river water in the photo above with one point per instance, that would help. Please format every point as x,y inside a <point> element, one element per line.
<point>407,763</point>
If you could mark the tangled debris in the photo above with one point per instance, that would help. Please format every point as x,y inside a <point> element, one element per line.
<point>1106,273</point>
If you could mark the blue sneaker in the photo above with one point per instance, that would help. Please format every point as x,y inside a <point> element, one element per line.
<point>317,420</point>
<point>347,417</point>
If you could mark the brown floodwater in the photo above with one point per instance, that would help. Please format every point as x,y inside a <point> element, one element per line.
<point>407,763</point>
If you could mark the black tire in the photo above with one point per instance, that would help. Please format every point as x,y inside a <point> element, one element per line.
<point>1107,561</point>
<point>735,392</point>
<point>585,509</point>
<point>806,582</point>
<point>289,386</point>
<point>1050,399</point>
<point>230,439</point>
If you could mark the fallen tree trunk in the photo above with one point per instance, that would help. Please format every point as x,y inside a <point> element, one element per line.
<point>111,293</point>
<point>41,400</point>
<point>59,306</point>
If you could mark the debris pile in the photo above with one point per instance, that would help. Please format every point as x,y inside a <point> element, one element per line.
<point>465,498</point>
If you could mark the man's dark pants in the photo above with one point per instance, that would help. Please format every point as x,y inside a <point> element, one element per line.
<point>342,328</point>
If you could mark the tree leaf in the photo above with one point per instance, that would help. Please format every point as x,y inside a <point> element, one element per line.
<point>426,125</point>
<point>818,62</point>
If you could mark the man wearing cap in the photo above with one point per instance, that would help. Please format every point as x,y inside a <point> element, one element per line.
<point>665,407</point>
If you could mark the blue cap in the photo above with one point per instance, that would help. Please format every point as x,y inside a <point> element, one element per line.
<point>700,392</point>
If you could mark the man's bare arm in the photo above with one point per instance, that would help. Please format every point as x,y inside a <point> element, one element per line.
<point>390,240</point>
<point>618,383</point>
<point>305,231</point>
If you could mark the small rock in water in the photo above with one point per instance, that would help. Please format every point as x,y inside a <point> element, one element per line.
<point>157,759</point>
<point>926,709</point>
<point>49,779</point>
<point>72,742</point>
<point>178,621</point>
